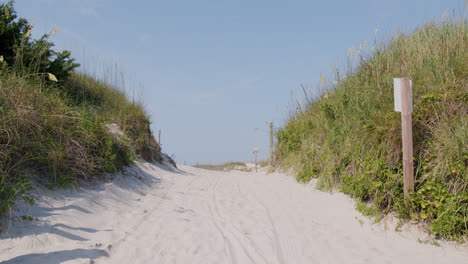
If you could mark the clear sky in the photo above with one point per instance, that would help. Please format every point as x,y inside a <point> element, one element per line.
<point>212,73</point>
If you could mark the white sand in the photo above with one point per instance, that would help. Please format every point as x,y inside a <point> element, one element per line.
<point>154,215</point>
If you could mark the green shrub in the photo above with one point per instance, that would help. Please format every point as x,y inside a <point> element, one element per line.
<point>360,187</point>
<point>308,173</point>
<point>445,212</point>
<point>24,55</point>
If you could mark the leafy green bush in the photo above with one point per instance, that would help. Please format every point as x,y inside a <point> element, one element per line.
<point>445,212</point>
<point>30,56</point>
<point>360,187</point>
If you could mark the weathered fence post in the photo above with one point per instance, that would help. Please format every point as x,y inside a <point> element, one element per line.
<point>404,104</point>
<point>271,143</point>
<point>255,151</point>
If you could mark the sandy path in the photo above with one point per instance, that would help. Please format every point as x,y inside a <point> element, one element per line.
<point>153,215</point>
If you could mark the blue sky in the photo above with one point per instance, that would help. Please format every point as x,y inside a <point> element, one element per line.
<point>212,73</point>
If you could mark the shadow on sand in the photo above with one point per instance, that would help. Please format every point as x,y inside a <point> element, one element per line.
<point>57,256</point>
<point>134,179</point>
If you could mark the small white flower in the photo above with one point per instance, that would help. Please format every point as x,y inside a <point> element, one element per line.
<point>52,77</point>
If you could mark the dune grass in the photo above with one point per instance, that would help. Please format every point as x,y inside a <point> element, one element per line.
<point>350,138</point>
<point>55,122</point>
<point>59,130</point>
<point>235,165</point>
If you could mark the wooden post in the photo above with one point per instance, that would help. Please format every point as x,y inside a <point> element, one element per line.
<point>271,143</point>
<point>407,136</point>
<point>159,137</point>
<point>255,152</point>
<point>255,161</point>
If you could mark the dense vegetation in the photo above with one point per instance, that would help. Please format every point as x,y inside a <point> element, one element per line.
<point>55,122</point>
<point>350,138</point>
<point>223,167</point>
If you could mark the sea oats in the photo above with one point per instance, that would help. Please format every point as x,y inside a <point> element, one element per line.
<point>322,79</point>
<point>363,45</point>
<point>54,31</point>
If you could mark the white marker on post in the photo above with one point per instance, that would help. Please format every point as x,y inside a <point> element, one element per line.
<point>403,94</point>
<point>397,94</point>
<point>255,151</point>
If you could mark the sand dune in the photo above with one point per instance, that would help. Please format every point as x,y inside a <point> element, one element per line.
<point>157,215</point>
